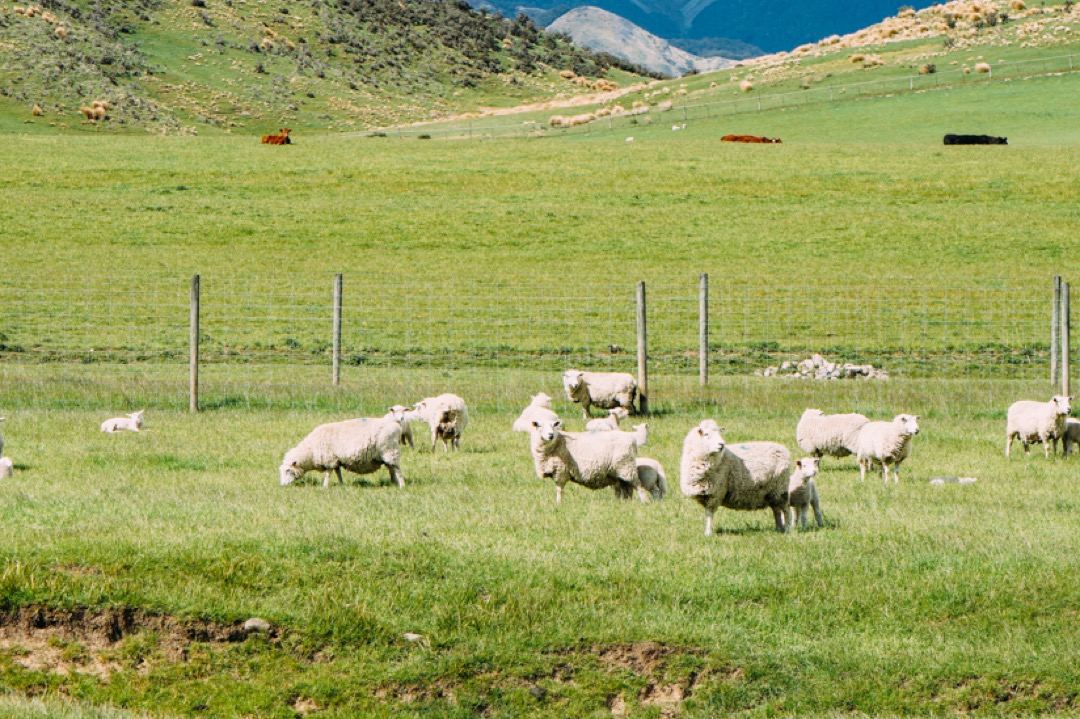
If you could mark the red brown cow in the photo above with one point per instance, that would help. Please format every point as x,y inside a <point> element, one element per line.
<point>281,139</point>
<point>750,138</point>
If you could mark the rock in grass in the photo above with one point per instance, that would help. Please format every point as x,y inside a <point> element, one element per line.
<point>936,481</point>
<point>257,625</point>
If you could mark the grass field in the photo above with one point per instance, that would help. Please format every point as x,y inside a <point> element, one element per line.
<point>129,560</point>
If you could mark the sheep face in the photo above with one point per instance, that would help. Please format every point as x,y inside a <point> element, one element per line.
<point>547,429</point>
<point>1064,406</point>
<point>807,467</point>
<point>289,473</point>
<point>137,417</point>
<point>619,413</point>
<point>712,438</point>
<point>571,382</point>
<point>400,413</point>
<point>909,424</point>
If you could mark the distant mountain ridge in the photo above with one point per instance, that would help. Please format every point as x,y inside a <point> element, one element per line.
<point>770,25</point>
<point>605,32</point>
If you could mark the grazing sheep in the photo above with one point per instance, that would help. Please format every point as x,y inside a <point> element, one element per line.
<point>820,434</point>
<point>358,445</point>
<point>1072,434</point>
<point>748,476</point>
<point>591,459</point>
<point>132,422</point>
<point>606,390</point>
<point>1033,422</point>
<point>886,443</point>
<point>802,492</point>
<point>6,467</point>
<point>404,417</point>
<point>447,416</point>
<point>609,423</point>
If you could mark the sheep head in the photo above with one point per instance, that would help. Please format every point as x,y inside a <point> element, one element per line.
<point>711,437</point>
<point>807,467</point>
<point>289,472</point>
<point>546,429</point>
<point>908,423</point>
<point>572,380</point>
<point>1064,406</point>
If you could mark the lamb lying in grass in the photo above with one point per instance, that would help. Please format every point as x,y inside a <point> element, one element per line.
<point>132,423</point>
<point>609,423</point>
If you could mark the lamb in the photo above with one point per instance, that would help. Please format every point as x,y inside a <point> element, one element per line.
<point>404,417</point>
<point>359,445</point>
<point>609,423</point>
<point>802,492</point>
<point>447,416</point>
<point>606,390</point>
<point>132,422</point>
<point>819,434</point>
<point>652,477</point>
<point>539,402</point>
<point>1072,434</point>
<point>886,443</point>
<point>641,434</point>
<point>1033,422</point>
<point>748,476</point>
<point>6,467</point>
<point>591,459</point>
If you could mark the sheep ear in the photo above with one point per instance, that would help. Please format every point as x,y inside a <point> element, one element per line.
<point>721,429</point>
<point>558,424</point>
<point>536,424</point>
<point>295,464</point>
<point>798,463</point>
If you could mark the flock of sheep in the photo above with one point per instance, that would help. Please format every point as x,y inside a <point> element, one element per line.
<point>745,476</point>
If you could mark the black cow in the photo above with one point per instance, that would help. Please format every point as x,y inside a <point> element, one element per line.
<point>975,140</point>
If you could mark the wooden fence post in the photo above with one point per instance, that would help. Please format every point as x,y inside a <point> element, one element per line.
<point>1065,327</point>
<point>703,329</point>
<point>193,356</point>
<point>642,353</point>
<point>1055,330</point>
<point>336,361</point>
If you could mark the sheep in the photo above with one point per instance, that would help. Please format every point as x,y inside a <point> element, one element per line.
<point>359,445</point>
<point>404,417</point>
<point>609,423</point>
<point>748,476</point>
<point>652,477</point>
<point>6,467</point>
<point>802,492</point>
<point>539,402</point>
<point>820,434</point>
<point>886,443</point>
<point>132,422</point>
<point>1032,422</point>
<point>641,434</point>
<point>2,437</point>
<point>1071,435</point>
<point>591,459</point>
<point>447,416</point>
<point>606,390</point>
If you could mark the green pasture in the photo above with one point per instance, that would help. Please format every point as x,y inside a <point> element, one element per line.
<point>913,600</point>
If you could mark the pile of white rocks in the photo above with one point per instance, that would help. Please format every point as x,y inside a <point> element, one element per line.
<point>817,367</point>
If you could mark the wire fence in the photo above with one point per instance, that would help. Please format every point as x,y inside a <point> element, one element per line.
<point>759,101</point>
<point>269,340</point>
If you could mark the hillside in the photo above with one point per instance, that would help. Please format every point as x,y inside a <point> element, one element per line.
<point>231,65</point>
<point>606,32</point>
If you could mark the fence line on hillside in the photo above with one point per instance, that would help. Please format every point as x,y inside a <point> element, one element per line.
<point>245,338</point>
<point>745,103</point>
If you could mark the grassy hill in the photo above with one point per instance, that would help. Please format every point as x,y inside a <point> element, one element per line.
<point>252,66</point>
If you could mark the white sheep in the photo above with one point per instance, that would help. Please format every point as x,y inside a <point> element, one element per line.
<point>404,417</point>
<point>2,437</point>
<point>6,467</point>
<point>652,477</point>
<point>641,434</point>
<point>1072,434</point>
<point>591,459</point>
<point>358,445</point>
<point>835,435</point>
<point>803,494</point>
<point>1033,422</point>
<point>748,476</point>
<point>539,402</point>
<point>606,390</point>
<point>886,443</point>
<point>609,423</point>
<point>447,416</point>
<point>132,422</point>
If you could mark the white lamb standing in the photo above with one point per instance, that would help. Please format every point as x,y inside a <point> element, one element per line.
<point>886,443</point>
<point>835,435</point>
<point>1072,434</point>
<point>591,459</point>
<point>1033,422</point>
<point>748,476</point>
<point>447,416</point>
<point>132,422</point>
<point>609,423</point>
<point>606,390</point>
<point>803,494</point>
<point>539,402</point>
<point>404,417</point>
<point>6,467</point>
<point>358,445</point>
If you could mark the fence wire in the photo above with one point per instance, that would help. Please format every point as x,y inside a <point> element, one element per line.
<point>267,340</point>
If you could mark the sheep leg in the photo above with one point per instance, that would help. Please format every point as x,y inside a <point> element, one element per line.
<point>1046,446</point>
<point>778,517</point>
<point>643,495</point>
<point>326,479</point>
<point>862,469</point>
<point>802,519</point>
<point>885,470</point>
<point>790,516</point>
<point>434,438</point>
<point>816,504</point>
<point>708,523</point>
<point>1008,445</point>
<point>396,475</point>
